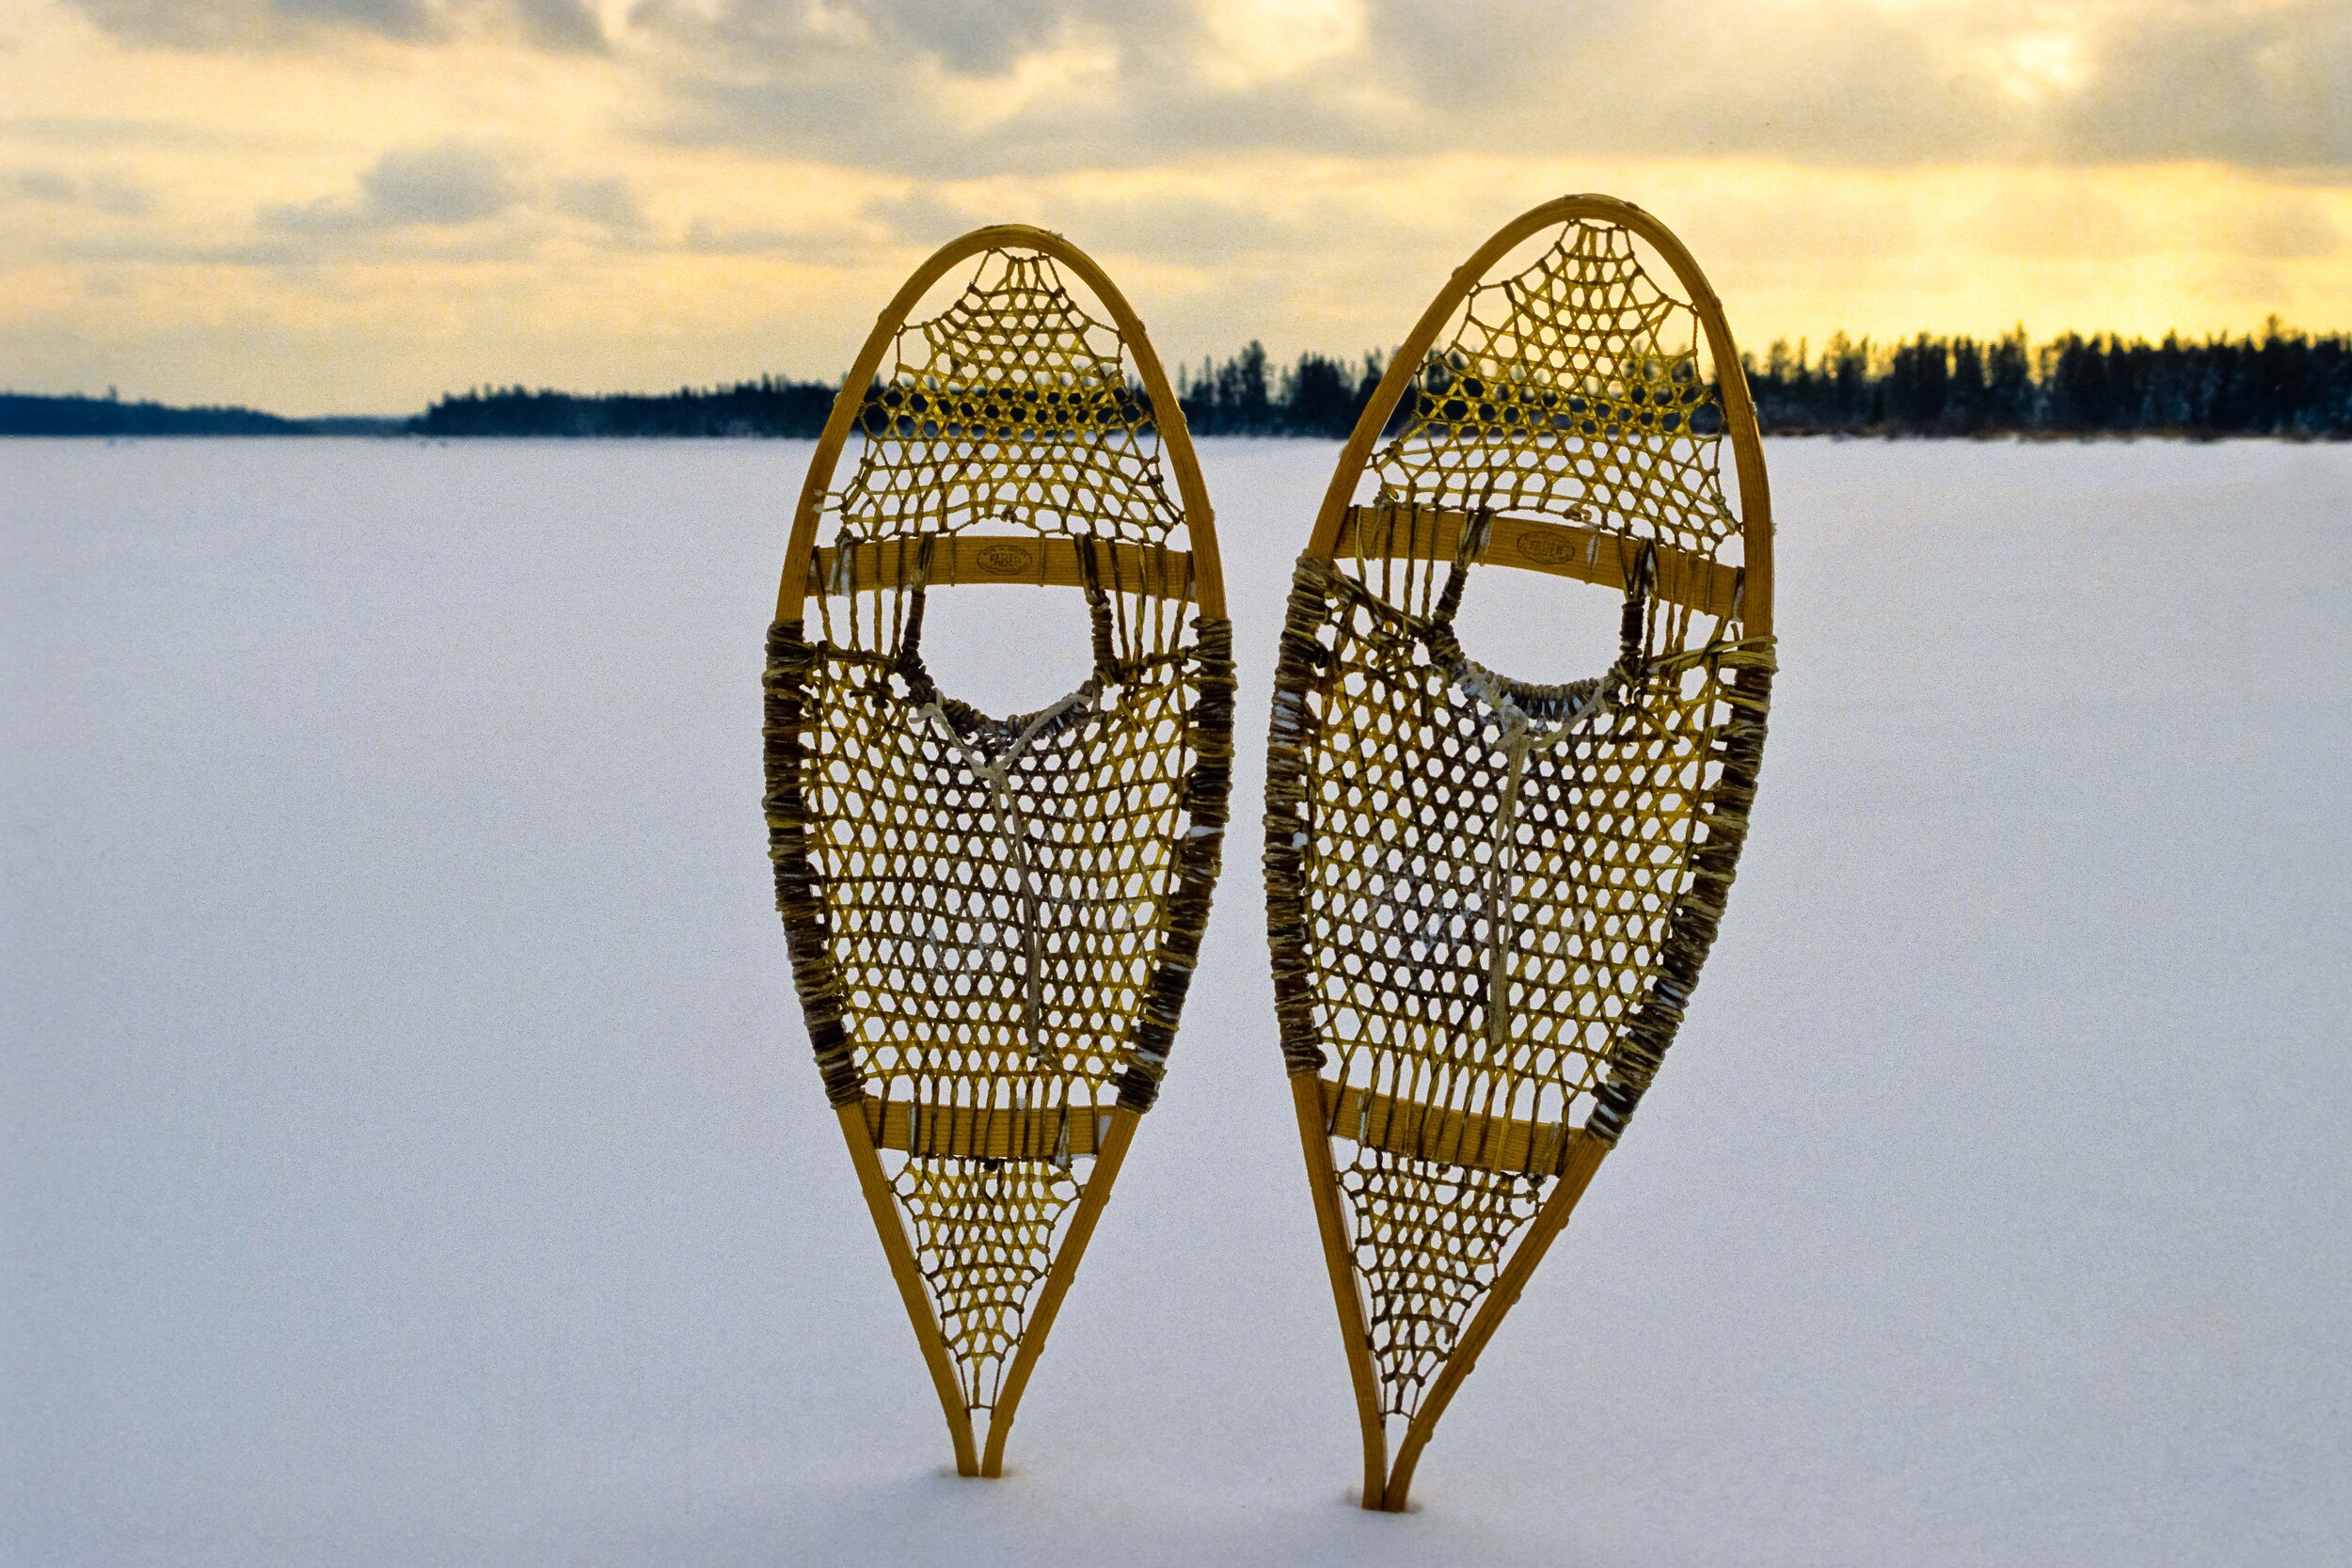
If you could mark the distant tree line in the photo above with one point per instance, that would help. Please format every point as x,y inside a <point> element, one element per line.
<point>25,414</point>
<point>768,406</point>
<point>2279,384</point>
<point>1244,395</point>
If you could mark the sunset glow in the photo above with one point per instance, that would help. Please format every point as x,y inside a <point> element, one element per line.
<point>354,205</point>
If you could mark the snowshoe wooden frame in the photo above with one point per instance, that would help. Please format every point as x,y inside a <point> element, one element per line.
<point>1024,404</point>
<point>1693,619</point>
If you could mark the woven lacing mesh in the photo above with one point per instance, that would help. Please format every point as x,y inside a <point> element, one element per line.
<point>1014,402</point>
<point>1487,873</point>
<point>1001,911</point>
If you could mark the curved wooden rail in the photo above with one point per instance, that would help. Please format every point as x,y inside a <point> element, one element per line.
<point>862,1129</point>
<point>1749,588</point>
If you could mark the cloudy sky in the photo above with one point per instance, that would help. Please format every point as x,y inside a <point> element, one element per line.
<point>352,205</point>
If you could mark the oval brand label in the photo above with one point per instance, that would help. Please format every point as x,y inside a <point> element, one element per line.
<point>1004,560</point>
<point>1542,546</point>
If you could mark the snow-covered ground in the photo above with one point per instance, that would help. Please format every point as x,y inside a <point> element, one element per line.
<point>411,1156</point>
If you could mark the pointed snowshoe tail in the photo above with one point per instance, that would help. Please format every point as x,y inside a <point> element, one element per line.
<point>993,921</point>
<point>1488,900</point>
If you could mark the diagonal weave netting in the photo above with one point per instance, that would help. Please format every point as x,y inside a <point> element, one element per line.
<point>1488,901</point>
<point>993,921</point>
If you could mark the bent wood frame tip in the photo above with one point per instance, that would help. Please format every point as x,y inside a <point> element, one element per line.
<point>971,1460</point>
<point>1167,416</point>
<point>1387,1487</point>
<point>1065,1268</point>
<point>1331,1222</point>
<point>1584,1155</point>
<point>909,1277</point>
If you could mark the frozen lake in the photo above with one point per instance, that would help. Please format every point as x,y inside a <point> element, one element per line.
<point>410,1154</point>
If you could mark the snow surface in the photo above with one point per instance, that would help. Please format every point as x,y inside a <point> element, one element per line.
<point>412,1157</point>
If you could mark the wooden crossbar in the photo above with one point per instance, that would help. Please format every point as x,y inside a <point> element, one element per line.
<point>987,1131</point>
<point>1503,1144</point>
<point>1563,549</point>
<point>1032,558</point>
